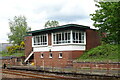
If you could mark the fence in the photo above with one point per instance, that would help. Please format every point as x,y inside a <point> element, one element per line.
<point>12,61</point>
<point>70,66</point>
<point>98,67</point>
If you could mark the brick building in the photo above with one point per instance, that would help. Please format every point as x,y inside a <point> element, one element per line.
<point>55,45</point>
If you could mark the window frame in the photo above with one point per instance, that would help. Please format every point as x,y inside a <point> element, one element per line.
<point>42,40</point>
<point>56,40</point>
<point>59,56</point>
<point>78,37</point>
<point>71,37</point>
<point>41,55</point>
<point>51,55</point>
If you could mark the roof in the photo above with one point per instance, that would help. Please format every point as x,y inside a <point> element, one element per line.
<point>27,35</point>
<point>60,27</point>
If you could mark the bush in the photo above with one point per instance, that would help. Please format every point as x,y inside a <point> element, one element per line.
<point>103,52</point>
<point>3,52</point>
<point>15,48</point>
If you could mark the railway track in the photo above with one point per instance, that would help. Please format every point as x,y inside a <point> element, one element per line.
<point>36,75</point>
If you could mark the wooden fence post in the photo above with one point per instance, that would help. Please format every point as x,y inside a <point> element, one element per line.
<point>90,67</point>
<point>43,65</point>
<point>52,66</point>
<point>107,67</point>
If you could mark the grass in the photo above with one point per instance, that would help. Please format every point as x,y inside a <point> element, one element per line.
<point>17,54</point>
<point>14,54</point>
<point>102,53</point>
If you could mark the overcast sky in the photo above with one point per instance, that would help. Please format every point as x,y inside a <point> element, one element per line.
<point>38,12</point>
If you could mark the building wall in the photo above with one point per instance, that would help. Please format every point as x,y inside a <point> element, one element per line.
<point>49,39</point>
<point>92,39</point>
<point>55,61</point>
<point>28,45</point>
<point>76,54</point>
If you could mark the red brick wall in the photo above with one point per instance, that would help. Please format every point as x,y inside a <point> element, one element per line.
<point>28,45</point>
<point>49,39</point>
<point>76,54</point>
<point>56,61</point>
<point>13,61</point>
<point>95,65</point>
<point>92,39</point>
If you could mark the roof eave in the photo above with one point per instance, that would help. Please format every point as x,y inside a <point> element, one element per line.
<point>59,27</point>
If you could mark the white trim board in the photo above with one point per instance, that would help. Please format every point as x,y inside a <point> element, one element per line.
<point>60,48</point>
<point>29,56</point>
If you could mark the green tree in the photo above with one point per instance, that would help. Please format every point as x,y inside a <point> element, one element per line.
<point>107,19</point>
<point>16,48</point>
<point>18,28</point>
<point>51,23</point>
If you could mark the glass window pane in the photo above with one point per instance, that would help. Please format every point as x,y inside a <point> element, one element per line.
<point>40,40</point>
<point>60,55</point>
<point>54,37</point>
<point>76,36</point>
<point>50,55</point>
<point>73,37</point>
<point>65,36</point>
<point>59,41</point>
<point>57,38</point>
<point>45,38</point>
<point>42,55</point>
<point>62,37</point>
<point>80,37</point>
<point>34,40</point>
<point>68,36</point>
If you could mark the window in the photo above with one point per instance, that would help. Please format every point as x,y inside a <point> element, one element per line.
<point>61,37</point>
<point>42,55</point>
<point>60,55</point>
<point>78,37</point>
<point>73,36</point>
<point>50,56</point>
<point>40,39</point>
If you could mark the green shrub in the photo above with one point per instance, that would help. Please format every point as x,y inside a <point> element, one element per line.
<point>103,52</point>
<point>15,48</point>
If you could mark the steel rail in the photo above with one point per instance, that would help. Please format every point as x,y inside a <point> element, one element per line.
<point>34,75</point>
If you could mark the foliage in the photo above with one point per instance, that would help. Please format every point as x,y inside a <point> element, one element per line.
<point>18,54</point>
<point>102,53</point>
<point>15,48</point>
<point>22,44</point>
<point>2,52</point>
<point>21,53</point>
<point>51,23</point>
<point>107,19</point>
<point>18,28</point>
<point>11,49</point>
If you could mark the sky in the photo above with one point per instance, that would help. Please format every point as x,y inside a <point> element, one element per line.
<point>38,12</point>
